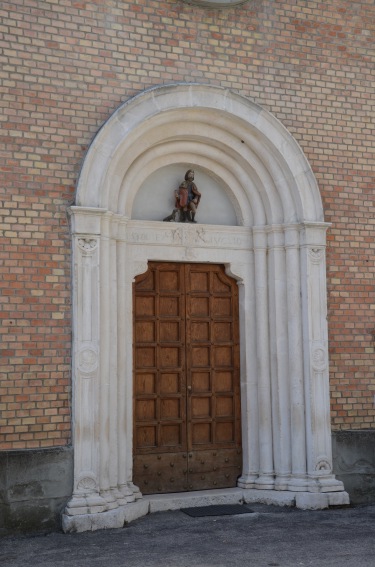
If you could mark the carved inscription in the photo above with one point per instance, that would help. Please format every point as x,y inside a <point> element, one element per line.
<point>192,237</point>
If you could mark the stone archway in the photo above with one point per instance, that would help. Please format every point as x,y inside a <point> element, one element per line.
<point>276,253</point>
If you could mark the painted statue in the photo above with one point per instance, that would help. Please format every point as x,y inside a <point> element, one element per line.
<point>187,198</point>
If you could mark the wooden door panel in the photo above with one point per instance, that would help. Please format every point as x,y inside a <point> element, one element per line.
<point>223,381</point>
<point>145,357</point>
<point>169,306</point>
<point>199,280</point>
<point>169,280</point>
<point>224,406</point>
<point>170,357</point>
<point>220,284</point>
<point>169,383</point>
<point>223,356</point>
<point>146,281</point>
<point>201,356</point>
<point>200,307</point>
<point>200,331</point>
<point>214,469</point>
<point>163,473</point>
<point>146,436</point>
<point>200,381</point>
<point>225,432</point>
<point>201,434</point>
<point>145,410</point>
<point>145,306</point>
<point>222,332</point>
<point>144,384</point>
<point>171,435</point>
<point>201,407</point>
<point>221,307</point>
<point>170,331</point>
<point>187,432</point>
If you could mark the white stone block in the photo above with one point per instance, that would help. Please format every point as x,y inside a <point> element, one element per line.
<point>338,498</point>
<point>105,520</point>
<point>93,522</point>
<point>136,510</point>
<point>311,501</point>
<point>278,498</point>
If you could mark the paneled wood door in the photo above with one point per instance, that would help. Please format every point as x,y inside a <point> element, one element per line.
<point>187,431</point>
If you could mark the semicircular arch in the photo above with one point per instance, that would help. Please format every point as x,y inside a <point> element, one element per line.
<point>260,165</point>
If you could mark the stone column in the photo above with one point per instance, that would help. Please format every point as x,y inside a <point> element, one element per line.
<point>298,481</point>
<point>279,358</point>
<point>126,494</point>
<point>86,227</point>
<point>106,350</point>
<point>249,387</point>
<point>315,346</point>
<point>266,472</point>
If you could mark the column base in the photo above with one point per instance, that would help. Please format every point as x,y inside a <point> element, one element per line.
<point>321,500</point>
<point>303,500</point>
<point>324,484</point>
<point>247,481</point>
<point>265,482</point>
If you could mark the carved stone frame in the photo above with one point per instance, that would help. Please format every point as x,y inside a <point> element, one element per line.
<point>277,255</point>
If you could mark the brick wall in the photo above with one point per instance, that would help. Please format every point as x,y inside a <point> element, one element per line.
<point>67,65</point>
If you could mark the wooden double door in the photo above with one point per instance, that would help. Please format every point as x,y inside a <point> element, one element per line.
<point>187,426</point>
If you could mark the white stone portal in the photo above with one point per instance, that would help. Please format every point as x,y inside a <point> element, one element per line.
<point>272,241</point>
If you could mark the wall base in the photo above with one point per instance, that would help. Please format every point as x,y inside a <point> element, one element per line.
<point>354,463</point>
<point>35,485</point>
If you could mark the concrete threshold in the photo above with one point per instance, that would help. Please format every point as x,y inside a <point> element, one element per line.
<point>176,501</point>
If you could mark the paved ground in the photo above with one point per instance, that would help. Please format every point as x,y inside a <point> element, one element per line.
<point>272,536</point>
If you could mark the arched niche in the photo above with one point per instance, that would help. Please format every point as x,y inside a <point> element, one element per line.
<point>155,198</point>
<point>276,252</point>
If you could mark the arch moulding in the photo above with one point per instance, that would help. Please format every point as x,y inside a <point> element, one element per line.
<point>276,252</point>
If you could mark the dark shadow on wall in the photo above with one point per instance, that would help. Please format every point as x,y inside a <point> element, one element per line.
<point>354,463</point>
<point>35,485</point>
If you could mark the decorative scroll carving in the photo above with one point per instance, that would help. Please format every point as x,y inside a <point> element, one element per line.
<point>323,464</point>
<point>316,255</point>
<point>87,244</point>
<point>87,484</point>
<point>319,359</point>
<point>87,359</point>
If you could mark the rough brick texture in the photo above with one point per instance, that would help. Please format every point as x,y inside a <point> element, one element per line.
<point>67,65</point>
